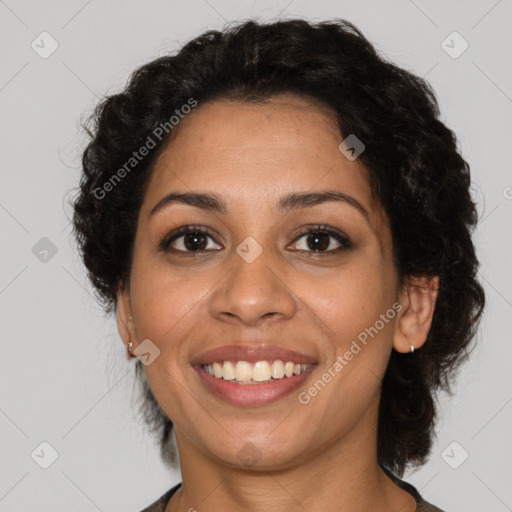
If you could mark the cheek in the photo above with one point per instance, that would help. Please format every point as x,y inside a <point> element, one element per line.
<point>351,299</point>
<point>357,316</point>
<point>164,304</point>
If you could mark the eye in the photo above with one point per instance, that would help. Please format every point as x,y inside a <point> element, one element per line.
<point>322,240</point>
<point>318,240</point>
<point>190,239</point>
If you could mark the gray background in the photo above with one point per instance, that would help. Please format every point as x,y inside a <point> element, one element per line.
<point>64,376</point>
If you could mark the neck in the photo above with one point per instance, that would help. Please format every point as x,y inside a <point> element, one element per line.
<point>343,476</point>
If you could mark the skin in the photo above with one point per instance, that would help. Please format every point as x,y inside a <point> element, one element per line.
<point>252,154</point>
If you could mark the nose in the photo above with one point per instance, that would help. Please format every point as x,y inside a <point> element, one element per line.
<point>252,293</point>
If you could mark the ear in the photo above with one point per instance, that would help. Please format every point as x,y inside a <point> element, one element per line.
<point>418,300</point>
<point>125,323</point>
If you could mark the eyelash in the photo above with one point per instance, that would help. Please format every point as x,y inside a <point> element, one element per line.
<point>315,229</point>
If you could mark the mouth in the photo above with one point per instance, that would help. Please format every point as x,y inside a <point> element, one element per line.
<point>252,375</point>
<point>260,372</point>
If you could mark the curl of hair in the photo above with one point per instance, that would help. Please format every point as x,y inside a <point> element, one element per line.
<point>414,169</point>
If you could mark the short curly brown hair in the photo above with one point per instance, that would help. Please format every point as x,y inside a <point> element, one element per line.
<point>415,171</point>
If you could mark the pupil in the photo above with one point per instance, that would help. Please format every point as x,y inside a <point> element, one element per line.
<point>197,241</point>
<point>317,237</point>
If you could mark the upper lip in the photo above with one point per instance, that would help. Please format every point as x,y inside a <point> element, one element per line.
<point>251,354</point>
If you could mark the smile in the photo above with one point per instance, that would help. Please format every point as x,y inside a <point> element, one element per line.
<point>244,372</point>
<point>253,393</point>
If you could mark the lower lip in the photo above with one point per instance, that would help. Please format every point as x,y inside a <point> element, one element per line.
<point>251,395</point>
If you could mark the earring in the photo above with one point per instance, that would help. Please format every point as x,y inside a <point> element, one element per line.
<point>412,349</point>
<point>130,345</point>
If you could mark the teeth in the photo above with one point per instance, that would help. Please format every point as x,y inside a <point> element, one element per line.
<point>243,371</point>
<point>277,369</point>
<point>251,373</point>
<point>228,371</point>
<point>217,370</point>
<point>261,371</point>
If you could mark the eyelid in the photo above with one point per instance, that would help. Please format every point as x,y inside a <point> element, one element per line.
<point>331,231</point>
<point>185,230</point>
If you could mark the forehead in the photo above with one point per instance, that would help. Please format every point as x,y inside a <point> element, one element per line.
<point>257,151</point>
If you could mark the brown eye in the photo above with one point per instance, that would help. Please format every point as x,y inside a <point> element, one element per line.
<point>321,240</point>
<point>195,241</point>
<point>189,239</point>
<point>318,241</point>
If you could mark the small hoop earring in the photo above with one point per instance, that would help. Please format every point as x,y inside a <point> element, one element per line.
<point>130,345</point>
<point>412,349</point>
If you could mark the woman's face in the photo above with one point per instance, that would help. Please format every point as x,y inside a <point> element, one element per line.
<point>260,278</point>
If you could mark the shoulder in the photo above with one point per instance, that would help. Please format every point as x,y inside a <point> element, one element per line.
<point>424,506</point>
<point>421,504</point>
<point>160,504</point>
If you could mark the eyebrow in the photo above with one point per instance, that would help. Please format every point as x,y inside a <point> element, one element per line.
<point>296,201</point>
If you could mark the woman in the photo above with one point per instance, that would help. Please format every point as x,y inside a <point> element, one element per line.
<point>282,226</point>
